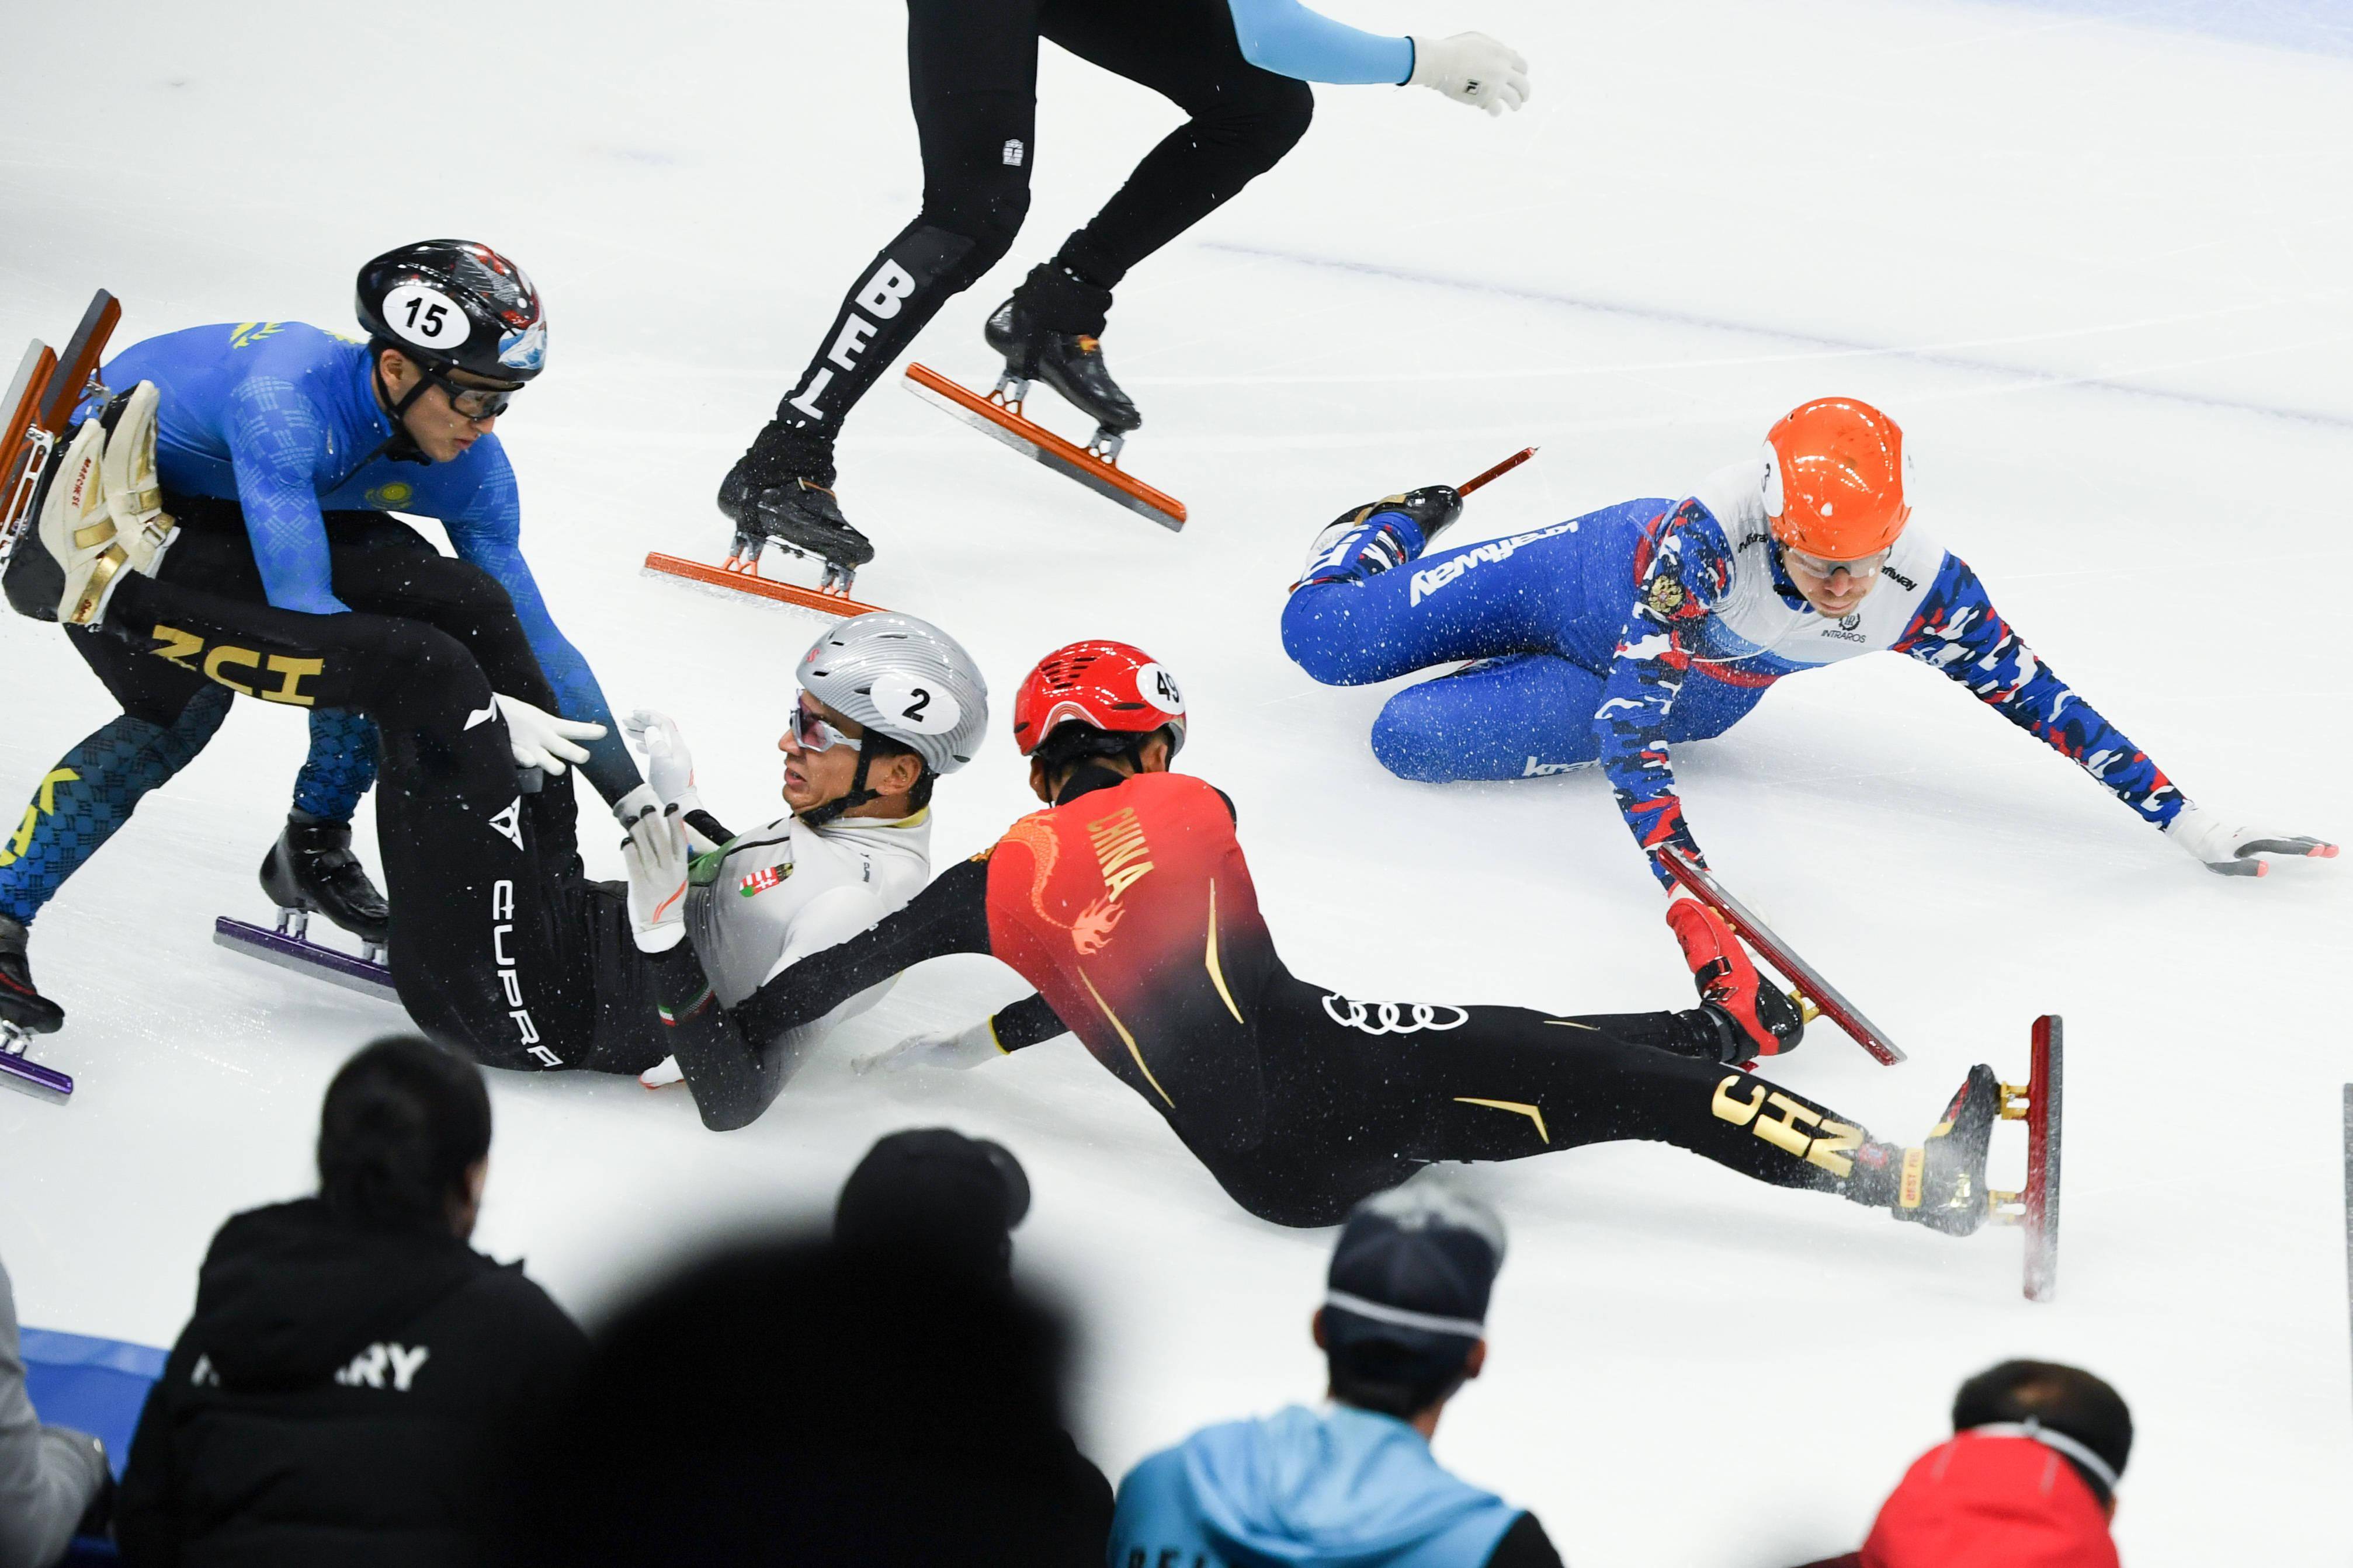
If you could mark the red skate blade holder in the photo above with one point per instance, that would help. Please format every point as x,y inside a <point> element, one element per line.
<point>1004,422</point>
<point>746,583</point>
<point>2038,1103</point>
<point>1816,994</point>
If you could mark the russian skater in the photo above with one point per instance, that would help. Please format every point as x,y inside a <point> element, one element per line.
<point>259,463</point>
<point>1617,636</point>
<point>1238,68</point>
<point>506,949</point>
<point>1127,902</point>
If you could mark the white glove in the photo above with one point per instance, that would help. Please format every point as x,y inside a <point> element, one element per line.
<point>2237,851</point>
<point>656,855</point>
<point>670,766</point>
<point>542,739</point>
<point>957,1049</point>
<point>1473,69</point>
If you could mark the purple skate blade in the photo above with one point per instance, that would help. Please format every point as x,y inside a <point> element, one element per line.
<point>19,1073</point>
<point>292,952</point>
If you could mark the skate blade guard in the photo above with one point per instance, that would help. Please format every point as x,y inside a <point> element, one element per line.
<point>19,1071</point>
<point>298,953</point>
<point>745,583</point>
<point>1004,422</point>
<point>2038,1103</point>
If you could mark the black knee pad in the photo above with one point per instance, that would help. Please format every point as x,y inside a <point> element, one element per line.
<point>964,236</point>
<point>1263,117</point>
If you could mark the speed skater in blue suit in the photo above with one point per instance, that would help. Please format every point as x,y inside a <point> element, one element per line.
<point>277,454</point>
<point>1614,637</point>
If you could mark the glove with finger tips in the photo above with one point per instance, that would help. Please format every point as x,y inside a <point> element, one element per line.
<point>956,1048</point>
<point>670,766</point>
<point>658,860</point>
<point>2236,851</point>
<point>542,739</point>
<point>1473,69</point>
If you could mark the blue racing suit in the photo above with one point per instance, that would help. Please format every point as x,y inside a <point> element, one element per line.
<point>281,420</point>
<point>1613,636</point>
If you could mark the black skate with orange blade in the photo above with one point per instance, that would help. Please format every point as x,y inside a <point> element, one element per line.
<point>1942,1183</point>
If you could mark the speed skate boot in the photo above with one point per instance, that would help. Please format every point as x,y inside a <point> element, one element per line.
<point>1942,1183</point>
<point>1759,1021</point>
<point>1052,331</point>
<point>1368,539</point>
<point>78,531</point>
<point>134,493</point>
<point>782,490</point>
<point>23,1009</point>
<point>312,871</point>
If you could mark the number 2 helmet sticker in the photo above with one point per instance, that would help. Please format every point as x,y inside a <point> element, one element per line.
<point>909,700</point>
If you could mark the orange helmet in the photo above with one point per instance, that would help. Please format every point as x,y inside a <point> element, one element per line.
<point>1835,487</point>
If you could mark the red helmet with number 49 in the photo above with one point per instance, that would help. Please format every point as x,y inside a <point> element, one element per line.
<point>1110,685</point>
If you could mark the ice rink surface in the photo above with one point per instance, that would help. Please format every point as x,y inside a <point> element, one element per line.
<point>2095,267</point>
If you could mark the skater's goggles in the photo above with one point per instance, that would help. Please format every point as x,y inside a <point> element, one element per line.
<point>1862,569</point>
<point>812,731</point>
<point>474,401</point>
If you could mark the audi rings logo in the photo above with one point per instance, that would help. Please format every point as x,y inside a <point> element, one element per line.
<point>1392,1018</point>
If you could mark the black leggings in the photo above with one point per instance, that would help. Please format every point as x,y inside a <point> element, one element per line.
<point>501,946</point>
<point>972,71</point>
<point>1364,1094</point>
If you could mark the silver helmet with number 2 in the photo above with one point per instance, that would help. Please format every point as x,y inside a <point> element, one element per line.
<point>904,678</point>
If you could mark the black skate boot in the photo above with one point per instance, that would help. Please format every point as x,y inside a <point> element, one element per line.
<point>312,871</point>
<point>1354,546</point>
<point>1717,1025</point>
<point>1942,1183</point>
<point>1051,331</point>
<point>23,1008</point>
<point>782,490</point>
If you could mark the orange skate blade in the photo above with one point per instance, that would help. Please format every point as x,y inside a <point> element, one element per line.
<point>994,419</point>
<point>751,585</point>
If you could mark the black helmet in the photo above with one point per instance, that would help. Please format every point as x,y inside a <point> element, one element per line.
<point>453,304</point>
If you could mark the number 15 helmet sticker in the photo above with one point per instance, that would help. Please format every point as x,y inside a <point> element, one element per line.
<point>454,304</point>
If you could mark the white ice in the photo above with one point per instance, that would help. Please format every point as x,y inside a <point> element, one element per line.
<point>2097,271</point>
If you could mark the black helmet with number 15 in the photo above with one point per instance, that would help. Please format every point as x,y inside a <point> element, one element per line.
<point>454,304</point>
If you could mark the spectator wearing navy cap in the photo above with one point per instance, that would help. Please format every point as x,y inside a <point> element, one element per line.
<point>1353,1482</point>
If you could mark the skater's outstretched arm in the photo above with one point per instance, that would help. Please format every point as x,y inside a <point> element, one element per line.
<point>731,1056</point>
<point>488,532</point>
<point>1287,38</point>
<point>1958,631</point>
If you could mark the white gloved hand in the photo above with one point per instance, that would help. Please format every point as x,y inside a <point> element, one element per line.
<point>2237,851</point>
<point>542,739</point>
<point>957,1049</point>
<point>658,859</point>
<point>1473,69</point>
<point>670,766</point>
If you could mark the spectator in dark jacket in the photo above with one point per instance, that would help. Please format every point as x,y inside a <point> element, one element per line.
<point>2029,1479</point>
<point>1353,1484</point>
<point>49,1476</point>
<point>885,1396</point>
<point>334,1396</point>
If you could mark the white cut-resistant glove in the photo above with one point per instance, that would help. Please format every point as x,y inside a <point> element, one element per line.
<point>658,859</point>
<point>2239,851</point>
<point>1473,69</point>
<point>670,766</point>
<point>542,739</point>
<point>956,1048</point>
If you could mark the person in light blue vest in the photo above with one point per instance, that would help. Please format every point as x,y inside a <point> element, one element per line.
<point>1352,1483</point>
